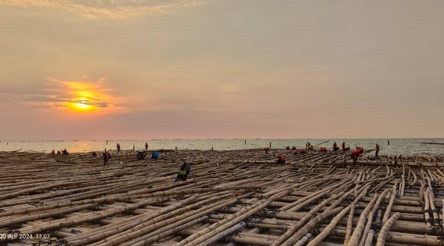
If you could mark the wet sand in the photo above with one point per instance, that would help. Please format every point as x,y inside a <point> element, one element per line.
<point>241,197</point>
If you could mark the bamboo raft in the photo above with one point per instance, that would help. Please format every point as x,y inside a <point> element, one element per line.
<point>230,198</point>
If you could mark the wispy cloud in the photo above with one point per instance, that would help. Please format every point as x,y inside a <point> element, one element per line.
<point>111,9</point>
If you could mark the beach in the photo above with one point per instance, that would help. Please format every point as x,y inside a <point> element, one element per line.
<point>230,197</point>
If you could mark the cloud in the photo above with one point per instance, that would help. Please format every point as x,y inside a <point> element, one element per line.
<point>108,9</point>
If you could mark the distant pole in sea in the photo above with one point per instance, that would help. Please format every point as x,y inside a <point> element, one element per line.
<point>388,142</point>
<point>245,141</point>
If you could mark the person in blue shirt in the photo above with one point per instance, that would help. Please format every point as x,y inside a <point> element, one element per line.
<point>155,155</point>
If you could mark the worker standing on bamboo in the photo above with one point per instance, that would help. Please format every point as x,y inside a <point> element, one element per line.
<point>335,147</point>
<point>377,152</point>
<point>106,157</point>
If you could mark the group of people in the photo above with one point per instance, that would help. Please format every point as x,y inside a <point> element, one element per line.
<point>63,152</point>
<point>308,146</point>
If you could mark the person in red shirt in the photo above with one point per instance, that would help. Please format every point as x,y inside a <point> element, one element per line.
<point>377,151</point>
<point>281,159</point>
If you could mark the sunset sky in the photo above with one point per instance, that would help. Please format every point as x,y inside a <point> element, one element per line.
<point>138,69</point>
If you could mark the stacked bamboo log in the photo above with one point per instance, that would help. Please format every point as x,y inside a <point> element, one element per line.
<point>230,197</point>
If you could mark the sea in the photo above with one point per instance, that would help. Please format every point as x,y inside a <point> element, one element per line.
<point>396,146</point>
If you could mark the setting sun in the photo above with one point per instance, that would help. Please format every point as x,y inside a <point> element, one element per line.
<point>82,104</point>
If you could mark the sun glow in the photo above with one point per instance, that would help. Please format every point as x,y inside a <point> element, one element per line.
<point>81,104</point>
<point>86,97</point>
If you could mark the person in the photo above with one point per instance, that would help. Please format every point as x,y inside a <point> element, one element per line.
<point>288,147</point>
<point>59,152</point>
<point>377,151</point>
<point>155,155</point>
<point>354,155</point>
<point>307,145</point>
<point>281,159</point>
<point>335,147</point>
<point>310,147</point>
<point>184,171</point>
<point>140,155</point>
<point>65,152</point>
<point>388,142</point>
<point>146,146</point>
<point>106,157</point>
<point>52,152</point>
<point>118,147</point>
<point>322,149</point>
<point>266,150</point>
<point>343,146</point>
<point>94,154</point>
<point>294,148</point>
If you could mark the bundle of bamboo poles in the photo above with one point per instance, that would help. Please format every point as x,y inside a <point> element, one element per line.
<point>241,197</point>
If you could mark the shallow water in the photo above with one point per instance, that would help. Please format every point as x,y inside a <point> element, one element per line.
<point>397,146</point>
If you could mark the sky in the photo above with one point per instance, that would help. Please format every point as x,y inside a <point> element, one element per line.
<point>146,69</point>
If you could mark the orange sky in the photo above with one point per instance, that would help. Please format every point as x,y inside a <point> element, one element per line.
<point>77,69</point>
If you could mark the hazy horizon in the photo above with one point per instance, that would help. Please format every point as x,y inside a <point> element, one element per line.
<point>214,69</point>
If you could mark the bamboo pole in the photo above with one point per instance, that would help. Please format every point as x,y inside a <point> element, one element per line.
<point>385,228</point>
<point>354,239</point>
<point>349,224</point>
<point>321,236</point>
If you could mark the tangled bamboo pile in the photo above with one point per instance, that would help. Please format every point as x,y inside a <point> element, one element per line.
<point>230,197</point>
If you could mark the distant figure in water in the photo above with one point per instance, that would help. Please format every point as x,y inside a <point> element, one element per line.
<point>52,152</point>
<point>155,155</point>
<point>266,150</point>
<point>118,147</point>
<point>281,159</point>
<point>377,151</point>
<point>388,142</point>
<point>335,147</point>
<point>106,157</point>
<point>146,146</point>
<point>94,154</point>
<point>288,148</point>
<point>134,147</point>
<point>59,152</point>
<point>65,152</point>
<point>307,145</point>
<point>294,148</point>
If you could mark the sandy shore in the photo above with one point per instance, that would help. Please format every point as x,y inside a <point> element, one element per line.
<point>241,197</point>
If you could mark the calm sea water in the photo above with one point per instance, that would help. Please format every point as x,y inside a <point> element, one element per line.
<point>396,147</point>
